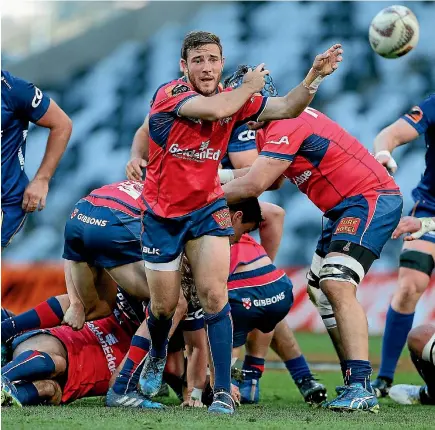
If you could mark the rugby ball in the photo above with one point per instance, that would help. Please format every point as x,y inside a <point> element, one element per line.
<point>394,32</point>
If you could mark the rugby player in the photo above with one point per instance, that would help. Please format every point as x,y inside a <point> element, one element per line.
<point>53,365</point>
<point>241,153</point>
<point>23,102</point>
<point>189,125</point>
<point>421,344</point>
<point>316,154</point>
<point>417,257</point>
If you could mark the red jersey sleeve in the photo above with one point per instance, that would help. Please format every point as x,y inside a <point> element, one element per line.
<point>171,96</point>
<point>252,109</point>
<point>282,139</point>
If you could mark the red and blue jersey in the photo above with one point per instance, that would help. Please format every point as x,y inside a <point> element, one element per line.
<point>242,139</point>
<point>422,118</point>
<point>245,252</point>
<point>327,163</point>
<point>123,196</point>
<point>22,102</point>
<point>184,153</point>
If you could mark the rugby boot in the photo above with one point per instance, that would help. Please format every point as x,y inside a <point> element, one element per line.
<point>381,386</point>
<point>313,392</point>
<point>132,399</point>
<point>249,387</point>
<point>151,377</point>
<point>9,395</point>
<point>410,395</point>
<point>222,403</point>
<point>354,398</point>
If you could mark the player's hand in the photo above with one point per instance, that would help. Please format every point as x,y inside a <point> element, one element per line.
<point>407,224</point>
<point>134,167</point>
<point>387,160</point>
<point>325,64</point>
<point>35,195</point>
<point>75,316</point>
<point>192,404</point>
<point>235,394</point>
<point>255,78</point>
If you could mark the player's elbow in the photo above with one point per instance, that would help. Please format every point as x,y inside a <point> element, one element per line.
<point>272,212</point>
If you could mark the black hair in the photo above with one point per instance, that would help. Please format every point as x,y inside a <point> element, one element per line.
<point>196,39</point>
<point>251,211</point>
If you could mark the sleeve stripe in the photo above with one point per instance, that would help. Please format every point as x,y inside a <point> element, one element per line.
<point>419,127</point>
<point>285,157</point>
<point>181,103</point>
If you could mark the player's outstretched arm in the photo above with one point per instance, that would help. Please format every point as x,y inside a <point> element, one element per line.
<point>417,226</point>
<point>196,344</point>
<point>227,103</point>
<point>139,152</point>
<point>396,134</point>
<point>293,104</point>
<point>263,173</point>
<point>60,126</point>
<point>271,228</point>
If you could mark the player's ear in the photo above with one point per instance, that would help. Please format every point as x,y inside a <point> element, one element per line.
<point>183,66</point>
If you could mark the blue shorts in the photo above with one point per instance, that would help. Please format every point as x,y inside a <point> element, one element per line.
<point>102,236</point>
<point>258,306</point>
<point>163,239</point>
<point>367,220</point>
<point>13,218</point>
<point>423,208</point>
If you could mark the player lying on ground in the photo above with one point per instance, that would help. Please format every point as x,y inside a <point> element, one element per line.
<point>190,122</point>
<point>22,102</point>
<point>417,258</point>
<point>363,206</point>
<point>421,344</point>
<point>53,366</point>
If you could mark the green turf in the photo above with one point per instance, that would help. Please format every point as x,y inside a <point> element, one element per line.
<point>281,407</point>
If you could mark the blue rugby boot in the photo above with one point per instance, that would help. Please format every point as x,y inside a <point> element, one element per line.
<point>222,403</point>
<point>130,400</point>
<point>9,395</point>
<point>151,377</point>
<point>249,387</point>
<point>354,398</point>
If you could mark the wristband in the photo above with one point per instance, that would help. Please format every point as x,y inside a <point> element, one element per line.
<point>312,88</point>
<point>225,175</point>
<point>391,163</point>
<point>427,225</point>
<point>196,394</point>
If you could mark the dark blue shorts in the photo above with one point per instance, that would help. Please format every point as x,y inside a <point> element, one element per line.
<point>102,236</point>
<point>163,239</point>
<point>13,218</point>
<point>423,208</point>
<point>258,306</point>
<point>367,220</point>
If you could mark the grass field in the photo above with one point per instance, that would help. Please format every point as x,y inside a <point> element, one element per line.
<point>281,407</point>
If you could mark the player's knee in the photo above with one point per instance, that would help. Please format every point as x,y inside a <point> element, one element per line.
<point>421,341</point>
<point>60,364</point>
<point>50,391</point>
<point>213,299</point>
<point>163,309</point>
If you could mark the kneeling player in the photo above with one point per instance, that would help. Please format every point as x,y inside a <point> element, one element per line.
<point>363,206</point>
<point>60,365</point>
<point>421,344</point>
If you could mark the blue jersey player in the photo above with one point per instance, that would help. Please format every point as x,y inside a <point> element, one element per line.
<point>23,102</point>
<point>417,258</point>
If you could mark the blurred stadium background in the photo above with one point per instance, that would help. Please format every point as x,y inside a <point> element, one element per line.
<point>102,61</point>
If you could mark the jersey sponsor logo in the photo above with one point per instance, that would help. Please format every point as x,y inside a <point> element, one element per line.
<point>106,347</point>
<point>300,179</point>
<point>195,315</point>
<point>415,114</point>
<point>92,221</point>
<point>21,158</point>
<point>174,90</point>
<point>37,98</point>
<point>150,251</point>
<point>74,213</point>
<point>283,139</point>
<point>247,303</point>
<point>246,135</point>
<point>270,300</point>
<point>223,218</point>
<point>194,154</point>
<point>348,225</point>
<point>132,188</point>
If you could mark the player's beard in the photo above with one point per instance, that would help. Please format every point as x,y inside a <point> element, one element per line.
<point>198,87</point>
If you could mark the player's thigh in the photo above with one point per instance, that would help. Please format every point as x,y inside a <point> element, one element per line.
<point>209,257</point>
<point>132,279</point>
<point>164,287</point>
